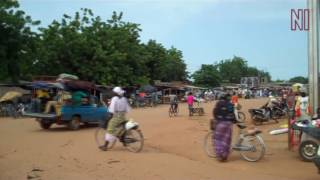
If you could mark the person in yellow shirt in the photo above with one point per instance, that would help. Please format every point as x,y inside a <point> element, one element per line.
<point>40,93</point>
<point>57,102</point>
<point>37,100</point>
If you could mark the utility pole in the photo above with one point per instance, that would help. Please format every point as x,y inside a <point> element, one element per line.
<point>313,53</point>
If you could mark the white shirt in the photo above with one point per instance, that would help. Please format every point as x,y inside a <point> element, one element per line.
<point>119,105</point>
<point>303,103</point>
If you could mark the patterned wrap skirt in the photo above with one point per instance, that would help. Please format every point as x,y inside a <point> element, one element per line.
<point>114,125</point>
<point>222,137</point>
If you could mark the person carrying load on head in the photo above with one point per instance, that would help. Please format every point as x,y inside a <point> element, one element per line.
<point>119,107</point>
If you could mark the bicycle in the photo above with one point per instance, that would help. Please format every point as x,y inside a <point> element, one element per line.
<point>241,116</point>
<point>173,110</point>
<point>129,135</point>
<point>250,145</point>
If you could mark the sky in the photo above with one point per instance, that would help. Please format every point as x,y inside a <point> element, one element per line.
<point>206,31</point>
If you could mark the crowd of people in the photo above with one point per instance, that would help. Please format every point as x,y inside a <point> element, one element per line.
<point>224,112</point>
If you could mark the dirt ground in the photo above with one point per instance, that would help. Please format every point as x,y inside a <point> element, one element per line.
<point>173,151</point>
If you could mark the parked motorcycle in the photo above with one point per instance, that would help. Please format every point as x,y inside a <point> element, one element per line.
<point>264,114</point>
<point>279,110</point>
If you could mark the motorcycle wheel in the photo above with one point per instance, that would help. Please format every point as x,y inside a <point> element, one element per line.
<point>275,118</point>
<point>308,150</point>
<point>256,120</point>
<point>276,114</point>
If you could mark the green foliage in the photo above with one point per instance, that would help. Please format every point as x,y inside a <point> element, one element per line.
<point>299,79</point>
<point>229,70</point>
<point>232,69</point>
<point>106,52</point>
<point>207,76</point>
<point>17,41</point>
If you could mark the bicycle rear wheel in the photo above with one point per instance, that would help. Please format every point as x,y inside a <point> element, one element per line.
<point>254,148</point>
<point>208,145</point>
<point>241,117</point>
<point>133,140</point>
<point>99,136</point>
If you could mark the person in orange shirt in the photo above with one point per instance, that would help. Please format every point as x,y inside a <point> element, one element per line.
<point>234,101</point>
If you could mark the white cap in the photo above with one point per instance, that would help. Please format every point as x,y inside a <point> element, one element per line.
<point>118,91</point>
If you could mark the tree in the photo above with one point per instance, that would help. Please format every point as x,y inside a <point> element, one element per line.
<point>174,68</point>
<point>17,41</point>
<point>299,79</point>
<point>229,70</point>
<point>207,76</point>
<point>233,69</point>
<point>156,56</point>
<point>106,52</point>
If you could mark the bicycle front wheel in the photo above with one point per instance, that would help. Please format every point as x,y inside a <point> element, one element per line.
<point>99,136</point>
<point>208,145</point>
<point>253,148</point>
<point>171,113</point>
<point>133,140</point>
<point>176,111</point>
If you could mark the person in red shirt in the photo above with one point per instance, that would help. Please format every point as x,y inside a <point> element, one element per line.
<point>142,94</point>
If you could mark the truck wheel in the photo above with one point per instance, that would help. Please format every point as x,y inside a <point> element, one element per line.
<point>45,125</point>
<point>74,124</point>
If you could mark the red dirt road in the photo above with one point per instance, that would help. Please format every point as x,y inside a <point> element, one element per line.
<point>173,151</point>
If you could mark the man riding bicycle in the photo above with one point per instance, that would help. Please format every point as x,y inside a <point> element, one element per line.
<point>119,107</point>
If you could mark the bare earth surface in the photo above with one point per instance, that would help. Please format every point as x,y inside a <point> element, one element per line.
<point>173,151</point>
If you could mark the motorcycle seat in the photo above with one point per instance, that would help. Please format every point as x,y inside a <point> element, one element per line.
<point>256,110</point>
